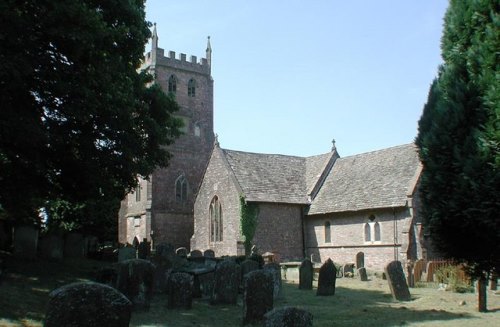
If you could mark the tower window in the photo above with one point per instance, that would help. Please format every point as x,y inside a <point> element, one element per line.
<point>191,88</point>
<point>328,231</point>
<point>197,130</point>
<point>138,193</point>
<point>172,84</point>
<point>215,220</point>
<point>181,189</point>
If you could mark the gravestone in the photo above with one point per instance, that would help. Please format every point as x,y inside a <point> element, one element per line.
<point>180,291</point>
<point>288,317</point>
<point>51,247</point>
<point>494,282</point>
<point>360,260</point>
<point>196,254</point>
<point>91,246</point>
<point>87,304</point>
<point>163,268</point>
<point>74,246</point>
<point>25,242</point>
<point>257,258</point>
<point>275,270</point>
<point>327,278</point>
<point>135,280</point>
<point>418,269</point>
<point>397,281</point>
<point>144,250</point>
<point>362,274</point>
<point>227,282</point>
<point>182,252</point>
<point>207,282</point>
<point>431,270</point>
<point>126,253</point>
<point>248,266</point>
<point>165,250</point>
<point>257,296</point>
<point>306,274</point>
<point>209,253</point>
<point>348,270</point>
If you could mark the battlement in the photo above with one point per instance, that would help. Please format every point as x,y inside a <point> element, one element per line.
<point>181,62</point>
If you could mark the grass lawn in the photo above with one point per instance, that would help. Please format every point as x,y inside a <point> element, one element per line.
<point>25,288</point>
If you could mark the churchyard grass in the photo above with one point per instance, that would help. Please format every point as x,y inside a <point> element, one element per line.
<point>25,288</point>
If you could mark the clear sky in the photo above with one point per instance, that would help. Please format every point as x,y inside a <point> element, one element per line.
<point>292,75</point>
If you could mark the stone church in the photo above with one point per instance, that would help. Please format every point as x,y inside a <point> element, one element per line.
<point>321,207</point>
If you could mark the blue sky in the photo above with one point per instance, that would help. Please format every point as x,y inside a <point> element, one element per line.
<point>290,76</point>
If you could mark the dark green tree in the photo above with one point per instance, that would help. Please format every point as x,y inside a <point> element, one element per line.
<point>78,121</point>
<point>459,138</point>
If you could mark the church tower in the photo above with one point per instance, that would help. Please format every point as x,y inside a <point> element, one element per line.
<point>161,209</point>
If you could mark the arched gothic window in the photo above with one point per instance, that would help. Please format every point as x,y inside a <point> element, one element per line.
<point>376,228</point>
<point>215,220</point>
<point>328,232</point>
<point>172,84</point>
<point>191,88</point>
<point>368,234</point>
<point>181,189</point>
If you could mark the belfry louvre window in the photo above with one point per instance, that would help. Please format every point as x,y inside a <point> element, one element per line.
<point>215,220</point>
<point>172,84</point>
<point>181,189</point>
<point>191,88</point>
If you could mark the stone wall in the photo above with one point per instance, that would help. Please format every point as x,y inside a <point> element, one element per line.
<point>347,237</point>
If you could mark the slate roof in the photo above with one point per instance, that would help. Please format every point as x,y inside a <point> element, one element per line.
<point>269,177</point>
<point>315,165</point>
<point>378,179</point>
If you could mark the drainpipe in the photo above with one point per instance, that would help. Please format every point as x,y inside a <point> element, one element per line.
<point>302,218</point>
<point>396,254</point>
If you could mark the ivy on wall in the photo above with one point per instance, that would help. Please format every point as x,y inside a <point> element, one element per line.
<point>248,216</point>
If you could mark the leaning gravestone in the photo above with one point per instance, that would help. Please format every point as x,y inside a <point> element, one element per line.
<point>275,270</point>
<point>306,273</point>
<point>25,242</point>
<point>257,296</point>
<point>180,291</point>
<point>87,304</point>
<point>397,281</point>
<point>51,247</point>
<point>74,246</point>
<point>126,253</point>
<point>362,274</point>
<point>227,282</point>
<point>327,278</point>
<point>135,280</point>
<point>288,317</point>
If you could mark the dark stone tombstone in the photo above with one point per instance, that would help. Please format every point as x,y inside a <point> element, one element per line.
<point>348,270</point>
<point>25,242</point>
<point>397,281</point>
<point>327,278</point>
<point>182,252</point>
<point>248,266</point>
<point>363,276</point>
<point>209,253</point>
<point>51,247</point>
<point>257,296</point>
<point>257,258</point>
<point>135,280</point>
<point>180,291</point>
<point>306,273</point>
<point>87,304</point>
<point>275,270</point>
<point>207,282</point>
<point>91,246</point>
<point>127,253</point>
<point>360,260</point>
<point>144,250</point>
<point>165,250</point>
<point>196,254</point>
<point>163,268</point>
<point>74,246</point>
<point>288,317</point>
<point>227,282</point>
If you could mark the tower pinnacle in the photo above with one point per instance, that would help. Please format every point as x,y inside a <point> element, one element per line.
<point>154,39</point>
<point>209,52</point>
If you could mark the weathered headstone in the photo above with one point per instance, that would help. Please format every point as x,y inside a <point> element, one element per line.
<point>306,273</point>
<point>182,252</point>
<point>166,250</point>
<point>288,317</point>
<point>135,280</point>
<point>257,296</point>
<point>327,278</point>
<point>163,268</point>
<point>227,281</point>
<point>144,250</point>
<point>363,276</point>
<point>74,246</point>
<point>126,253</point>
<point>25,242</point>
<point>207,282</point>
<point>275,270</point>
<point>248,266</point>
<point>87,304</point>
<point>209,253</point>
<point>180,291</point>
<point>348,270</point>
<point>360,260</point>
<point>431,270</point>
<point>196,254</point>
<point>51,247</point>
<point>91,246</point>
<point>397,281</point>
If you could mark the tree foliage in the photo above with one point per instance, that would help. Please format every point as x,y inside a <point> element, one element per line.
<point>78,122</point>
<point>248,216</point>
<point>459,139</point>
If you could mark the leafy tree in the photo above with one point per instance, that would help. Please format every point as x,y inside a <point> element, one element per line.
<point>459,140</point>
<point>78,122</point>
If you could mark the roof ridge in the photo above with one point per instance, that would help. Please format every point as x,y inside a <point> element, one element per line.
<point>379,150</point>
